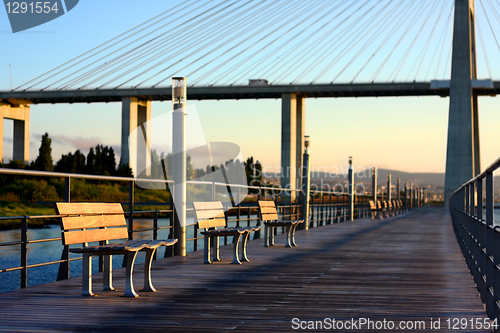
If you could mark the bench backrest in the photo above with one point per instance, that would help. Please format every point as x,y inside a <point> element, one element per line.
<point>379,205</point>
<point>209,214</point>
<point>85,222</point>
<point>268,211</point>
<point>372,204</point>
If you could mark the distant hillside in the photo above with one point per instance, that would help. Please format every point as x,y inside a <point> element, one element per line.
<point>418,178</point>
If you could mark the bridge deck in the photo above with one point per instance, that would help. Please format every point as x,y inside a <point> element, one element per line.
<point>403,268</point>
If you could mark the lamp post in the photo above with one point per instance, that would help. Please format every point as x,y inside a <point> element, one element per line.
<point>351,190</point>
<point>179,96</point>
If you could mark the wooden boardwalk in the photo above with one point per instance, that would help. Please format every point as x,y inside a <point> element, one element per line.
<point>407,268</point>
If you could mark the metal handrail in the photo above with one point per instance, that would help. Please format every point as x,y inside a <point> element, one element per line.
<point>477,235</point>
<point>288,210</point>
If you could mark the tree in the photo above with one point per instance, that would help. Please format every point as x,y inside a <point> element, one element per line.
<point>44,160</point>
<point>71,163</point>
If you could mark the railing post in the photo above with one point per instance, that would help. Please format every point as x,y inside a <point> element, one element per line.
<point>374,184</point>
<point>389,193</point>
<point>467,199</point>
<point>406,196</point>
<point>472,199</point>
<point>63,272</point>
<point>155,231</point>
<point>398,189</point>
<point>24,252</point>
<point>351,190</point>
<point>169,250</point>
<point>489,199</point>
<point>306,186</point>
<point>131,210</point>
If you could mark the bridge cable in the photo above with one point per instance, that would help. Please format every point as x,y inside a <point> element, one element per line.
<point>262,29</point>
<point>482,45</point>
<point>441,41</point>
<point>189,41</point>
<point>319,10</point>
<point>403,60</point>
<point>328,3</point>
<point>362,28</point>
<point>192,53</point>
<point>199,16</point>
<point>301,43</point>
<point>382,44</point>
<point>103,44</point>
<point>213,36</point>
<point>358,54</point>
<point>384,20</point>
<point>305,52</point>
<point>428,42</point>
<point>391,53</point>
<point>219,47</point>
<point>158,47</point>
<point>336,41</point>
<point>333,41</point>
<point>491,27</point>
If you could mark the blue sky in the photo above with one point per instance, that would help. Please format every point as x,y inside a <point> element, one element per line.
<point>407,134</point>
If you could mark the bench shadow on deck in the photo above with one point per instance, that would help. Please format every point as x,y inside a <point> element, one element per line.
<point>402,268</point>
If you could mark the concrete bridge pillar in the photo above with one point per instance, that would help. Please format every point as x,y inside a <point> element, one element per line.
<point>293,112</point>
<point>462,156</point>
<point>21,141</point>
<point>135,113</point>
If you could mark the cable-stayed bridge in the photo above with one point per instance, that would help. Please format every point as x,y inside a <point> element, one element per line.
<point>295,50</point>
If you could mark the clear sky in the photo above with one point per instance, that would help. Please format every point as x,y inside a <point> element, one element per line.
<point>405,133</point>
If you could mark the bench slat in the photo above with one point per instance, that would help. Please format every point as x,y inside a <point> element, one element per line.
<point>207,214</point>
<point>94,235</point>
<point>207,205</point>
<point>81,222</point>
<point>269,217</point>
<point>212,223</point>
<point>266,204</point>
<point>266,210</point>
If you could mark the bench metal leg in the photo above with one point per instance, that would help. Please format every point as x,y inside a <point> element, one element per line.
<point>216,249</point>
<point>129,284</point>
<point>107,281</point>
<point>236,240</point>
<point>244,247</point>
<point>87,275</point>
<point>206,253</point>
<point>271,236</point>
<point>292,235</point>
<point>266,235</point>
<point>148,285</point>
<point>288,235</point>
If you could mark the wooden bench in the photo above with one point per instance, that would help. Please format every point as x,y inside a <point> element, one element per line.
<point>209,216</point>
<point>376,209</point>
<point>269,215</point>
<point>101,222</point>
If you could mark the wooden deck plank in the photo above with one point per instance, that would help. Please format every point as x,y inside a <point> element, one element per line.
<point>402,268</point>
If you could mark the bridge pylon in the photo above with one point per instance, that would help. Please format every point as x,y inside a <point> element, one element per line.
<point>21,140</point>
<point>462,155</point>
<point>293,122</point>
<point>136,113</point>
